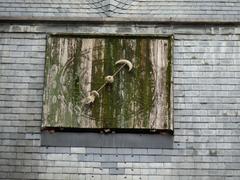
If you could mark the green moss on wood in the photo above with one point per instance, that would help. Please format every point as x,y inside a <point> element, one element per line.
<point>127,103</point>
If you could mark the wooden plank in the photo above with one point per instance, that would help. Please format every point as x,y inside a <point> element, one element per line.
<point>137,99</point>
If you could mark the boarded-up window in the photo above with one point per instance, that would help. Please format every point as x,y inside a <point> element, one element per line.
<point>137,99</point>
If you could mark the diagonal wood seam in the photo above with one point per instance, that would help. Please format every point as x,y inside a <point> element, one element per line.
<point>108,8</point>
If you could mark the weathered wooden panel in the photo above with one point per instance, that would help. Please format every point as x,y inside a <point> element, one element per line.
<point>75,66</point>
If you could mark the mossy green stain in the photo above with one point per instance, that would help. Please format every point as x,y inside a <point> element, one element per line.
<point>106,92</point>
<point>128,83</point>
<point>51,58</point>
<point>97,80</point>
<point>75,86</point>
<point>144,79</point>
<point>113,94</point>
<point>147,83</point>
<point>116,95</point>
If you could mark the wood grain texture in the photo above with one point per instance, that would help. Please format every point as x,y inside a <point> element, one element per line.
<point>137,99</point>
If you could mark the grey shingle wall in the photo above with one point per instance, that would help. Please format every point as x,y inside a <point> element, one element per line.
<point>209,9</point>
<point>49,8</point>
<point>189,10</point>
<point>206,112</point>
